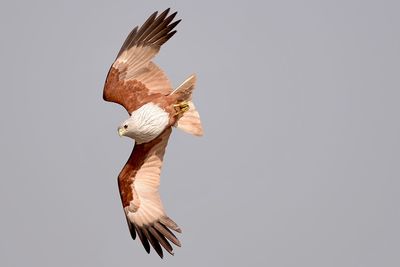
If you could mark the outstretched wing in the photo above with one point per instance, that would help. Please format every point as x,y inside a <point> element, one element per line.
<point>133,79</point>
<point>138,183</point>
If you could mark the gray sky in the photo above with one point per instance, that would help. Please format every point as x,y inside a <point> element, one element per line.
<point>299,165</point>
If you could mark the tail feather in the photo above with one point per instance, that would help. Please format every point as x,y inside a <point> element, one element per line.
<point>189,121</point>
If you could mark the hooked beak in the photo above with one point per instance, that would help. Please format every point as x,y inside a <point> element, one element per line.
<point>121,131</point>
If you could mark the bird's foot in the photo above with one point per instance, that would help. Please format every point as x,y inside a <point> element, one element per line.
<point>181,107</point>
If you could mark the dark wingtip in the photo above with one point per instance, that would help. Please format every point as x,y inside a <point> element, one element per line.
<point>143,238</point>
<point>167,233</point>
<point>156,30</point>
<point>161,239</point>
<point>153,241</point>
<point>173,15</point>
<point>154,15</point>
<point>131,229</point>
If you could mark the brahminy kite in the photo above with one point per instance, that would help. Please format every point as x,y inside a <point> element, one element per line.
<point>144,90</point>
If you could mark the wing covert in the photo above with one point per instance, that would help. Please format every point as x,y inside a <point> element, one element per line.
<point>133,77</point>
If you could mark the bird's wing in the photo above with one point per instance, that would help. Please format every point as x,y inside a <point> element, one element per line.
<point>133,79</point>
<point>138,184</point>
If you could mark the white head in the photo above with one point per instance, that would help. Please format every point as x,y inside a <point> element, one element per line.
<point>145,123</point>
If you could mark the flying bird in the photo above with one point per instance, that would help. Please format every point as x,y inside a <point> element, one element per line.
<point>154,107</point>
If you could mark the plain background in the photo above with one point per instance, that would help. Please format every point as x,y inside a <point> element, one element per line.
<point>299,165</point>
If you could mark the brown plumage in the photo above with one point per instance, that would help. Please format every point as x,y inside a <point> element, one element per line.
<point>134,81</point>
<point>132,85</point>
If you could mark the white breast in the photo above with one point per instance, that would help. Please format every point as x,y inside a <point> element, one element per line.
<point>148,122</point>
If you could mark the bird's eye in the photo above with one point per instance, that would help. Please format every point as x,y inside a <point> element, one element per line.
<point>125,126</point>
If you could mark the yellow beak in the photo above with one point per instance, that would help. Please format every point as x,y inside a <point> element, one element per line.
<point>121,131</point>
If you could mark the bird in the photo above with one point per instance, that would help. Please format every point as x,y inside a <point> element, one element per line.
<point>154,108</point>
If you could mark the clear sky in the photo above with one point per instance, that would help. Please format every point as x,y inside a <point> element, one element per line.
<point>299,165</point>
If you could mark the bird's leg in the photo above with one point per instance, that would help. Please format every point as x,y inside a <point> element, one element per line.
<point>181,107</point>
